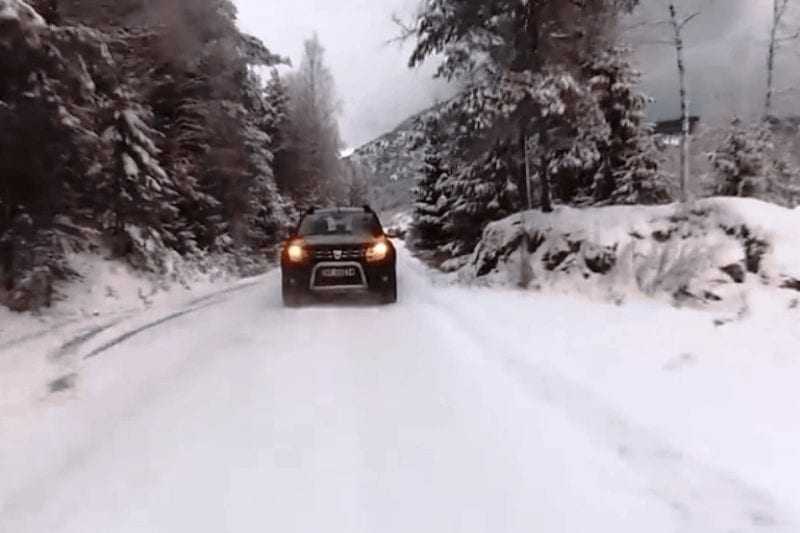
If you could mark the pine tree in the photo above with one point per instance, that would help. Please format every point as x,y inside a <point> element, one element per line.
<point>741,161</point>
<point>629,166</point>
<point>48,145</point>
<point>482,191</point>
<point>356,182</point>
<point>276,98</point>
<point>266,214</point>
<point>47,104</point>
<point>218,137</point>
<point>310,163</point>
<point>431,205</point>
<point>520,64</point>
<point>749,164</point>
<point>279,129</point>
<point>137,197</point>
<point>154,129</point>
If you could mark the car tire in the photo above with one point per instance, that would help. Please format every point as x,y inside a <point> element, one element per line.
<point>389,293</point>
<point>292,297</point>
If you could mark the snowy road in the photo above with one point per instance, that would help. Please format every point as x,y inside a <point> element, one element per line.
<point>439,414</point>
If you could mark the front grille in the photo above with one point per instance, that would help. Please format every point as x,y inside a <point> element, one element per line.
<point>353,254</point>
<point>349,281</point>
<point>338,274</point>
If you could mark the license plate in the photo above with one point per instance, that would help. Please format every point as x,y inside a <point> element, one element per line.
<point>337,273</point>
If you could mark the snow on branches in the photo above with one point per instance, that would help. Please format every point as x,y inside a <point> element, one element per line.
<point>749,162</point>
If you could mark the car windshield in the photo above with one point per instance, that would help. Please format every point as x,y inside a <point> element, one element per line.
<point>340,223</point>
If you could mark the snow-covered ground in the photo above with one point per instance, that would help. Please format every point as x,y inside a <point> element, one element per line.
<point>458,409</point>
<point>42,347</point>
<point>710,253</point>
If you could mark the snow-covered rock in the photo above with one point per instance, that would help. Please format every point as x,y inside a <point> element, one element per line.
<point>698,252</point>
<point>399,223</point>
<point>18,20</point>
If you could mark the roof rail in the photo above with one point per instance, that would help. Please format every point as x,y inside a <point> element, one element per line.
<point>311,210</point>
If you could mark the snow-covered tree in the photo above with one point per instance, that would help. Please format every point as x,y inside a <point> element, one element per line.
<point>48,144</point>
<point>266,213</point>
<point>431,202</point>
<point>311,159</point>
<point>136,195</point>
<point>356,180</point>
<point>277,100</point>
<point>477,193</point>
<point>749,164</point>
<point>152,128</point>
<point>521,64</point>
<point>629,161</point>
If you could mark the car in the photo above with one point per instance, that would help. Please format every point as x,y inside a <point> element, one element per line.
<point>338,250</point>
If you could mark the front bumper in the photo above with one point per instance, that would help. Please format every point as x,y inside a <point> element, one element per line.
<point>371,277</point>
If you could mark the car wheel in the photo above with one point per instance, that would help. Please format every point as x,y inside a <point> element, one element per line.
<point>389,293</point>
<point>292,297</point>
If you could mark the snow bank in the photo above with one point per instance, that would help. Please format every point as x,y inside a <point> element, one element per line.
<point>698,253</point>
<point>105,286</point>
<point>107,293</point>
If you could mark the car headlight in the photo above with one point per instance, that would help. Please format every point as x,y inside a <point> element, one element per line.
<point>295,252</point>
<point>378,251</point>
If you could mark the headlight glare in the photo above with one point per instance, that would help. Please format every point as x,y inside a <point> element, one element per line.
<point>378,251</point>
<point>295,252</point>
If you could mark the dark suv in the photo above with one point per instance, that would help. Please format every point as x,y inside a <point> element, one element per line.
<point>338,250</point>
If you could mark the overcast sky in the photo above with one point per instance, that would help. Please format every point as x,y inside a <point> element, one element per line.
<point>726,50</point>
<point>726,54</point>
<point>375,85</point>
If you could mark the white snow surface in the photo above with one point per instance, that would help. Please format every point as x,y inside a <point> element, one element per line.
<point>659,251</point>
<point>456,410</point>
<point>38,347</point>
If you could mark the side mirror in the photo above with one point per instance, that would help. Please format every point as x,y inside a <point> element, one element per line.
<point>395,233</point>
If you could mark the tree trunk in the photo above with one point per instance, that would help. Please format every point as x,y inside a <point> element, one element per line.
<point>526,272</point>
<point>684,100</point>
<point>547,197</point>
<point>778,9</point>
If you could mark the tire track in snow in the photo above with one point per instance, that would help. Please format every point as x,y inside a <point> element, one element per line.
<point>196,305</point>
<point>703,499</point>
<point>16,341</point>
<point>83,337</point>
<point>150,325</point>
<point>66,379</point>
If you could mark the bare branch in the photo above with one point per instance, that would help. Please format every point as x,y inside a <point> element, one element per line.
<point>644,24</point>
<point>407,30</point>
<point>787,38</point>
<point>659,42</point>
<point>781,8</point>
<point>688,19</point>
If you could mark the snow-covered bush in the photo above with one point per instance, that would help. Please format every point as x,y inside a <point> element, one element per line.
<point>749,163</point>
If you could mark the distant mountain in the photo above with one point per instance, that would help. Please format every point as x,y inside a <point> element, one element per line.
<point>392,165</point>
